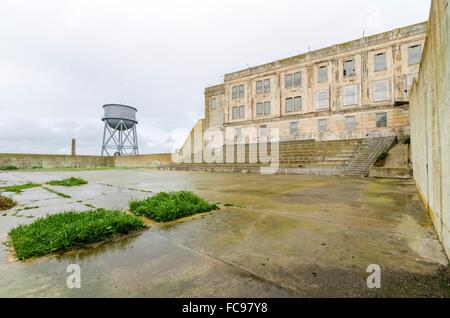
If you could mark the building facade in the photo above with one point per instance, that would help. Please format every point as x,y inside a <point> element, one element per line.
<point>352,90</point>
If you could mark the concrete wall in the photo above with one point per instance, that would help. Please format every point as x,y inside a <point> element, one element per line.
<point>29,161</point>
<point>143,161</point>
<point>394,44</point>
<point>430,121</point>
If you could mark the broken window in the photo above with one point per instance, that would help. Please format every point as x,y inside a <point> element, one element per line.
<point>350,95</point>
<point>322,125</point>
<point>266,85</point>
<point>381,90</point>
<point>414,54</point>
<point>322,99</point>
<point>234,92</point>
<point>350,122</point>
<point>381,119</point>
<point>289,105</point>
<point>259,87</point>
<point>241,91</point>
<point>212,103</point>
<point>322,74</point>
<point>293,128</point>
<point>349,68</point>
<point>379,63</point>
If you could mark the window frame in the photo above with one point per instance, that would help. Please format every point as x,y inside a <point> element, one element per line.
<point>266,85</point>
<point>261,106</point>
<point>384,68</point>
<point>241,90</point>
<point>241,112</point>
<point>344,95</point>
<point>388,89</point>
<point>419,54</point>
<point>213,103</point>
<point>345,68</point>
<point>270,108</point>
<point>317,100</point>
<point>325,74</point>
<point>259,87</point>
<point>319,127</point>
<point>234,92</point>
<point>347,123</point>
<point>291,100</point>
<point>291,128</point>
<point>385,121</point>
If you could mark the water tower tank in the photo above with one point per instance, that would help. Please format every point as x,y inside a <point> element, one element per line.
<point>116,113</point>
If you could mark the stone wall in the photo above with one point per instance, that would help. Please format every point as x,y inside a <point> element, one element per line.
<point>30,161</point>
<point>143,161</point>
<point>430,121</point>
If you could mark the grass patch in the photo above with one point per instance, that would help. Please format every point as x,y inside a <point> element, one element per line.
<point>69,230</point>
<point>70,182</point>
<point>60,194</point>
<point>19,188</point>
<point>169,206</point>
<point>6,203</point>
<point>6,168</point>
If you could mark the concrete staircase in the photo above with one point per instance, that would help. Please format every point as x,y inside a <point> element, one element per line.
<point>367,155</point>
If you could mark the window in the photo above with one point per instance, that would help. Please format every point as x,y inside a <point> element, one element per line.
<point>259,87</point>
<point>349,68</point>
<point>322,74</point>
<point>266,108</point>
<point>238,134</point>
<point>259,109</point>
<point>241,91</point>
<point>322,100</point>
<point>350,122</point>
<point>379,62</point>
<point>293,128</point>
<point>414,54</point>
<point>212,103</point>
<point>263,131</point>
<point>298,79</point>
<point>266,85</point>
<point>293,80</point>
<point>381,91</point>
<point>381,120</point>
<point>288,81</point>
<point>350,95</point>
<point>234,92</point>
<point>322,124</point>
<point>238,112</point>
<point>297,104</point>
<point>408,82</point>
<point>289,105</point>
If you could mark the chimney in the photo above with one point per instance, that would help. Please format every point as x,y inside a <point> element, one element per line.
<point>74,148</point>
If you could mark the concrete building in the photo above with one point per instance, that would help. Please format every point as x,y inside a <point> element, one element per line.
<point>352,90</point>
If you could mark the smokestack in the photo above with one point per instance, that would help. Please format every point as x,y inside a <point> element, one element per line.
<point>74,147</point>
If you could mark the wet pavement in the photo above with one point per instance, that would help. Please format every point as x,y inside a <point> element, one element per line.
<point>282,236</point>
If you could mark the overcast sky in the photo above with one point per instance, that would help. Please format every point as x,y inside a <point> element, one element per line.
<point>60,61</point>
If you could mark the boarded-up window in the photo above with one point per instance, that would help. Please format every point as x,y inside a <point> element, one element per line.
<point>381,90</point>
<point>322,125</point>
<point>349,68</point>
<point>350,122</point>
<point>414,54</point>
<point>241,91</point>
<point>259,87</point>
<point>379,63</point>
<point>234,92</point>
<point>322,74</point>
<point>322,99</point>
<point>293,128</point>
<point>381,120</point>
<point>350,95</point>
<point>212,103</point>
<point>266,85</point>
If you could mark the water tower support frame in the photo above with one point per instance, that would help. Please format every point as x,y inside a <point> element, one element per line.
<point>120,140</point>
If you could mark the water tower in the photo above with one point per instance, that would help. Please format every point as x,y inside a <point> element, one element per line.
<point>119,136</point>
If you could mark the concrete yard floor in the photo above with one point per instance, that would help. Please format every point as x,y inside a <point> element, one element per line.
<point>283,236</point>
